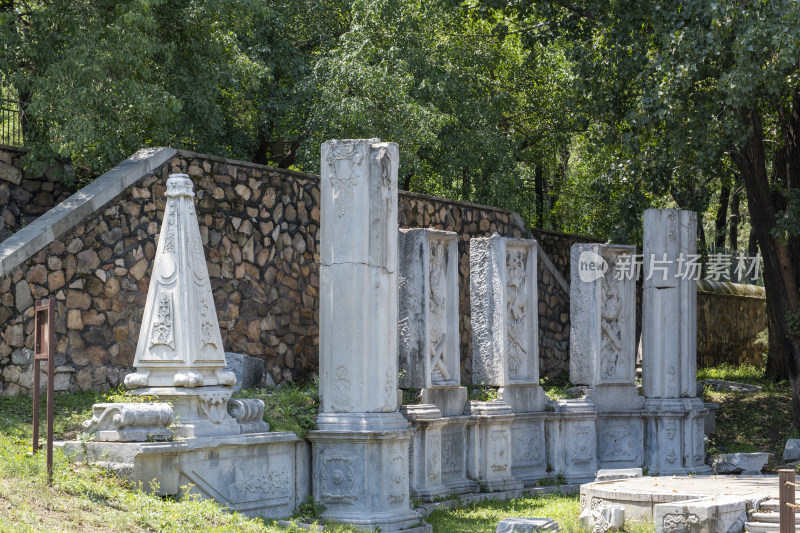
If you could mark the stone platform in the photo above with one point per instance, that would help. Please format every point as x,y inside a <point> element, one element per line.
<point>712,503</point>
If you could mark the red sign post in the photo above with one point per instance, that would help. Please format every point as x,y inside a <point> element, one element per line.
<point>44,346</point>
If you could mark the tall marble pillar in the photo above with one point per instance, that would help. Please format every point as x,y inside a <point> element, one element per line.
<point>674,436</point>
<point>360,452</point>
<point>179,355</point>
<point>602,346</point>
<point>429,340</point>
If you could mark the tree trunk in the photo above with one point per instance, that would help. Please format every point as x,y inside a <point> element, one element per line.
<point>721,220</point>
<point>538,188</point>
<point>780,273</point>
<point>733,232</point>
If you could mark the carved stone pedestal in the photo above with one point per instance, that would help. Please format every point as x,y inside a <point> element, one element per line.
<point>264,474</point>
<point>675,436</point>
<point>528,447</point>
<point>199,412</point>
<point>620,439</point>
<point>573,440</point>
<point>426,451</point>
<point>489,456</point>
<point>361,475</point>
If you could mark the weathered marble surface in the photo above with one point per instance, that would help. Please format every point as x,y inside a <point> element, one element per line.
<point>179,343</point>
<point>361,449</point>
<point>130,422</point>
<point>526,525</point>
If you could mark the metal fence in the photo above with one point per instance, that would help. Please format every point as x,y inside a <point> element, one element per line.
<point>10,121</point>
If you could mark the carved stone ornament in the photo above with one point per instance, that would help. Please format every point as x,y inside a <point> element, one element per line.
<point>338,481</point>
<point>180,344</point>
<point>679,523</point>
<point>342,154</point>
<point>215,404</point>
<point>130,421</point>
<point>274,483</point>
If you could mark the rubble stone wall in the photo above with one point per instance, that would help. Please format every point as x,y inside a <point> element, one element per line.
<point>24,196</point>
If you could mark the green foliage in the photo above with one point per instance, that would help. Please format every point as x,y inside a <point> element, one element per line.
<point>481,393</point>
<point>412,396</point>
<point>288,408</point>
<point>556,386</point>
<point>309,510</point>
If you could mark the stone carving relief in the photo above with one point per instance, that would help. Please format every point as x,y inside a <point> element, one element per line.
<point>215,404</point>
<point>671,429</point>
<point>699,441</point>
<point>246,410</point>
<point>341,391</point>
<point>434,459</point>
<point>398,481</point>
<point>338,481</point>
<point>272,484</point>
<point>611,326</point>
<point>672,456</point>
<point>130,421</point>
<point>389,391</point>
<point>582,447</point>
<point>679,523</point>
<point>516,309</point>
<point>162,329</point>
<point>528,448</point>
<point>617,442</point>
<point>208,326</point>
<point>500,446</point>
<point>452,447</point>
<point>343,180</point>
<point>438,337</point>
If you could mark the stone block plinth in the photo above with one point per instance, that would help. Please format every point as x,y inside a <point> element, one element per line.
<point>572,436</point>
<point>620,439</point>
<point>675,436</point>
<point>266,474</point>
<point>489,456</point>
<point>529,447</point>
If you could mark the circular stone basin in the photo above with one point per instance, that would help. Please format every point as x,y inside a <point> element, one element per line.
<point>639,495</point>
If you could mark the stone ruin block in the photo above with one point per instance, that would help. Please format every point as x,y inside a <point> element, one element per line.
<point>505,319</point>
<point>429,313</point>
<point>572,440</point>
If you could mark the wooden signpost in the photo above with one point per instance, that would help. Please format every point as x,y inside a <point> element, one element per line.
<point>44,347</point>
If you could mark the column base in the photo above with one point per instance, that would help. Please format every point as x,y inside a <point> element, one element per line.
<point>199,411</point>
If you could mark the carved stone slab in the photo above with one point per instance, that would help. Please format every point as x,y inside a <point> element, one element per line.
<point>669,305</point>
<point>179,342</point>
<point>504,310</point>
<point>602,341</point>
<point>130,422</point>
<point>428,326</point>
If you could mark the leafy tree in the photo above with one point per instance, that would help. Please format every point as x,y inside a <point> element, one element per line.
<point>694,92</point>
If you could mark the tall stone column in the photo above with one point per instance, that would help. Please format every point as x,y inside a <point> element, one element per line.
<point>602,346</point>
<point>360,452</point>
<point>674,436</point>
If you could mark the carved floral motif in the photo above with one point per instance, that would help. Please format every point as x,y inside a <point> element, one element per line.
<point>341,391</point>
<point>528,448</point>
<point>611,325</point>
<point>272,484</point>
<point>162,329</point>
<point>338,482</point>
<point>398,481</point>
<point>516,309</point>
<point>582,447</point>
<point>215,404</point>
<point>343,180</point>
<point>434,459</point>
<point>438,337</point>
<point>679,523</point>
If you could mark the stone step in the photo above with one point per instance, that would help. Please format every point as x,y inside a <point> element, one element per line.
<point>770,505</point>
<point>760,527</point>
<point>770,517</point>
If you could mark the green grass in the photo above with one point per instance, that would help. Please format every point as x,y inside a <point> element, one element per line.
<point>87,497</point>
<point>747,422</point>
<point>291,408</point>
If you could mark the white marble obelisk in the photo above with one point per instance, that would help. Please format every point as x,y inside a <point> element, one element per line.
<point>361,449</point>
<point>505,319</point>
<point>675,430</point>
<point>179,356</point>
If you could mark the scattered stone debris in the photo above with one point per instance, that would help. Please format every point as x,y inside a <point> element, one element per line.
<point>720,385</point>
